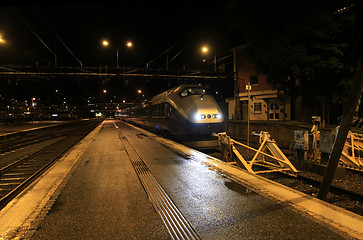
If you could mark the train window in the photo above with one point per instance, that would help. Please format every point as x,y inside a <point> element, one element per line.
<point>184,93</point>
<point>193,91</point>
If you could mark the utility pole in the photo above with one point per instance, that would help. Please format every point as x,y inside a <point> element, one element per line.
<point>237,114</point>
<point>349,107</point>
<point>55,55</point>
<point>215,63</point>
<point>117,66</point>
<point>167,60</point>
<point>248,88</point>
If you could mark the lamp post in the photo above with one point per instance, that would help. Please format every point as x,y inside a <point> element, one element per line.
<point>248,88</point>
<point>205,50</point>
<point>106,43</point>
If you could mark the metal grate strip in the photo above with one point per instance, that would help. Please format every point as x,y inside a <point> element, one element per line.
<point>176,224</point>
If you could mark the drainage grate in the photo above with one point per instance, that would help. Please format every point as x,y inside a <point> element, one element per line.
<point>174,221</point>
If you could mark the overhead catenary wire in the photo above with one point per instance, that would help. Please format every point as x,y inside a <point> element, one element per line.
<point>57,36</point>
<point>46,46</point>
<point>27,25</point>
<point>199,30</point>
<point>208,24</point>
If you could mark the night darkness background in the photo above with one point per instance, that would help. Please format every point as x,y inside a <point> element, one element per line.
<point>74,32</point>
<point>307,41</point>
<point>151,26</point>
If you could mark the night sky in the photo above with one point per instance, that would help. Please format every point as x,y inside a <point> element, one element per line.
<point>151,26</point>
<point>35,32</point>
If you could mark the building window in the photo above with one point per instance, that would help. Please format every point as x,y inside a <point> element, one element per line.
<point>257,107</point>
<point>253,79</point>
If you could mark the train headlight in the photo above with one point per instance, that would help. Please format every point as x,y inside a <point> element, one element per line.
<point>218,116</point>
<point>200,116</point>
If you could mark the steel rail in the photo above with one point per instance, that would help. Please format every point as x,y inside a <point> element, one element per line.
<point>14,192</point>
<point>7,147</point>
<point>21,186</point>
<point>19,161</point>
<point>333,188</point>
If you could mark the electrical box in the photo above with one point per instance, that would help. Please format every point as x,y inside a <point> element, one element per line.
<point>326,142</point>
<point>301,139</point>
<point>301,143</point>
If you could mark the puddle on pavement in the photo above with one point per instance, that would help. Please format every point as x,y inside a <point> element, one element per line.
<point>236,187</point>
<point>141,135</point>
<point>182,155</point>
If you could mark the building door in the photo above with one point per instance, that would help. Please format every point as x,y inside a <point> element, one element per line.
<point>274,110</point>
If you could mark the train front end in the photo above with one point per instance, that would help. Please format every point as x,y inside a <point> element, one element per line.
<point>203,115</point>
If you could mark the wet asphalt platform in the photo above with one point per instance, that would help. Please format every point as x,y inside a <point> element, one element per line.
<point>121,182</point>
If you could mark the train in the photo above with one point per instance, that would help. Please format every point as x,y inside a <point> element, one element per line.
<point>186,113</point>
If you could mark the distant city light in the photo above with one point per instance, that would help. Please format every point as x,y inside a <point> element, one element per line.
<point>139,91</point>
<point>204,49</point>
<point>2,40</point>
<point>129,44</point>
<point>104,91</point>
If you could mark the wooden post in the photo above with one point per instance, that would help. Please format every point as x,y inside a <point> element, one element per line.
<point>349,107</point>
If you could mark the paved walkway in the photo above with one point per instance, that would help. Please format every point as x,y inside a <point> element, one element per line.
<point>95,193</point>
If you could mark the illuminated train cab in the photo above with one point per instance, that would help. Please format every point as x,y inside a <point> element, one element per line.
<point>186,113</point>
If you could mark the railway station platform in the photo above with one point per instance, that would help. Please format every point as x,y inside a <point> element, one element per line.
<point>121,182</point>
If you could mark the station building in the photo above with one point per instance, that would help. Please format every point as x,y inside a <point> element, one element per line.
<point>265,102</point>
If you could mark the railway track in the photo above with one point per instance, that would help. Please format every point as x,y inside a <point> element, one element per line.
<point>14,145</point>
<point>345,193</point>
<point>17,175</point>
<point>351,200</point>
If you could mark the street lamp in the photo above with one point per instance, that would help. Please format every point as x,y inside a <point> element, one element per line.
<point>2,40</point>
<point>106,43</point>
<point>205,50</point>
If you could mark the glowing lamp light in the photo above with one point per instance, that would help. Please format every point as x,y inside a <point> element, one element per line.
<point>199,116</point>
<point>218,116</point>
<point>204,49</point>
<point>129,44</point>
<point>105,43</point>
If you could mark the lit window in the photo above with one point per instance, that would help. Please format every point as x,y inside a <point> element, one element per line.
<point>257,107</point>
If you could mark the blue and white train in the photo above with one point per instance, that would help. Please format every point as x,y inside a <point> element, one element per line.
<point>187,113</point>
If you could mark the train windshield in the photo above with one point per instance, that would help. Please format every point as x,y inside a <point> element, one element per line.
<point>193,91</point>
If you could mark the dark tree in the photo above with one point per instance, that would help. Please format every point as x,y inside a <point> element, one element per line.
<point>307,48</point>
